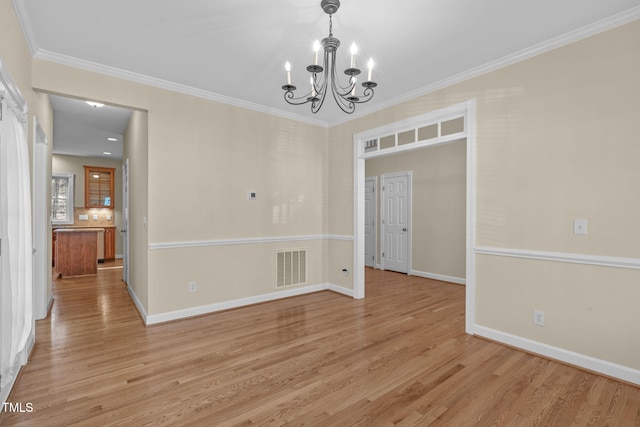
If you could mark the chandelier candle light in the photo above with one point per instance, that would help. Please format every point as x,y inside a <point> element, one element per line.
<point>324,77</point>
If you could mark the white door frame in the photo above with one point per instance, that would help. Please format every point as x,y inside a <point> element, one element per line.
<point>383,219</point>
<point>125,220</point>
<point>374,214</point>
<point>468,111</point>
<point>41,222</point>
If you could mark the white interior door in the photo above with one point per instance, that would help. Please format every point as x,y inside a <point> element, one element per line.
<point>370,203</point>
<point>396,202</point>
<point>125,220</point>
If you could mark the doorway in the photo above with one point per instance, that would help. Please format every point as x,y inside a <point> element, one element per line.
<point>84,134</point>
<point>431,129</point>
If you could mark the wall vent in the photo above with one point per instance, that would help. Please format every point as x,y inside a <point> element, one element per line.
<point>291,267</point>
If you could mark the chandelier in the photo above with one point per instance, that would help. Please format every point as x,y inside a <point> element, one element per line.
<point>324,77</point>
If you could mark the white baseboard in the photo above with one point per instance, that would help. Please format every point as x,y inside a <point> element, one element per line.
<point>340,290</point>
<point>452,279</point>
<point>600,366</point>
<point>138,304</point>
<point>50,304</point>
<point>241,302</point>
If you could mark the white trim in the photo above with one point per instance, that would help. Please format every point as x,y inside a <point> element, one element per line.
<point>171,86</point>
<point>241,302</point>
<point>444,114</point>
<point>441,277</point>
<point>41,230</point>
<point>587,362</point>
<point>50,303</point>
<point>339,237</point>
<point>597,260</point>
<point>25,24</point>
<point>376,215</point>
<point>416,145</point>
<point>522,55</point>
<point>138,304</point>
<point>246,241</point>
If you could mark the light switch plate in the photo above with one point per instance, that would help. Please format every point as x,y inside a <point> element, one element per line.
<point>580,226</point>
<point>83,217</point>
<point>109,217</point>
<point>95,217</point>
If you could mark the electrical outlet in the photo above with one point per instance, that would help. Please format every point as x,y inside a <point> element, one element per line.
<point>538,317</point>
<point>193,286</point>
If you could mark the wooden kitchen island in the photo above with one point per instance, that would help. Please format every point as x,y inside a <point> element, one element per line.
<point>76,251</point>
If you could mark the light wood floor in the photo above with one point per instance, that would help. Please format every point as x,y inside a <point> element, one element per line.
<point>399,357</point>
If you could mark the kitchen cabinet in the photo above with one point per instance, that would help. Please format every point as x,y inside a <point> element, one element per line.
<point>109,243</point>
<point>98,187</point>
<point>76,251</point>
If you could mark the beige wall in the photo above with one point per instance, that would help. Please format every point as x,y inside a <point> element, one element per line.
<point>556,140</point>
<point>438,215</point>
<point>75,165</point>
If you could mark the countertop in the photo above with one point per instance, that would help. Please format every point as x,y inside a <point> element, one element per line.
<point>78,229</point>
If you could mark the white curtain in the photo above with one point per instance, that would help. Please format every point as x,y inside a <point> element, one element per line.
<point>16,306</point>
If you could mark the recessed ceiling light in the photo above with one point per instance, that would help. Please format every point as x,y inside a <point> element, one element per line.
<point>112,139</point>
<point>106,153</point>
<point>95,104</point>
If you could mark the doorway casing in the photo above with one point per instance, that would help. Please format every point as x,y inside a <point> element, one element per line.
<point>464,110</point>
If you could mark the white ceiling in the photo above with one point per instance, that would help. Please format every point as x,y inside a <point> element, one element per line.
<point>82,130</point>
<point>235,51</point>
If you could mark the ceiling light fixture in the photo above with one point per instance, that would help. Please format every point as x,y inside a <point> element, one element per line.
<point>95,104</point>
<point>324,78</point>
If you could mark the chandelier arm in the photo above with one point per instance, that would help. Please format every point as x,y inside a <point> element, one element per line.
<point>321,92</point>
<point>291,99</point>
<point>337,86</point>
<point>344,104</point>
<point>366,96</point>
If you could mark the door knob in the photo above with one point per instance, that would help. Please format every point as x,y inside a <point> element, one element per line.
<point>404,229</point>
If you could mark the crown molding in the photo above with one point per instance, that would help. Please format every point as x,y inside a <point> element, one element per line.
<point>597,27</point>
<point>170,86</point>
<point>25,24</point>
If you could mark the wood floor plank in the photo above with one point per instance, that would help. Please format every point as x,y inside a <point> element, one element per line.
<point>399,357</point>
